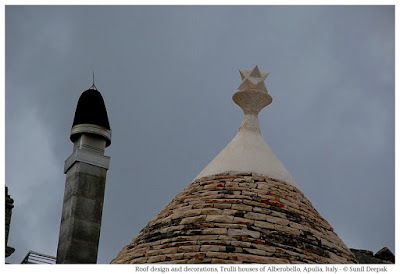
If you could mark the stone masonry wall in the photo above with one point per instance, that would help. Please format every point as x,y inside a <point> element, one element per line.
<point>237,218</point>
<point>9,205</point>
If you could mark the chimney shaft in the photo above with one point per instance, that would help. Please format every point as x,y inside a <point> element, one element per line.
<point>86,170</point>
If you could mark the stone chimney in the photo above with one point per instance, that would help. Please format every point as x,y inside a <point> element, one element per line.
<point>86,170</point>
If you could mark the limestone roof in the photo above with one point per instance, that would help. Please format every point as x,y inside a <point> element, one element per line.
<point>244,207</point>
<point>237,218</point>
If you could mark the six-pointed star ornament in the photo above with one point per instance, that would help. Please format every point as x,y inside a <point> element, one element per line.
<point>253,79</point>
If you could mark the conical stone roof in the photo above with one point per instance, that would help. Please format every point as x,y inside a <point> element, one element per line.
<point>244,207</point>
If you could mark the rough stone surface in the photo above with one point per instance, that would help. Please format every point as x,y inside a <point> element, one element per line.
<point>383,256</point>
<point>237,218</point>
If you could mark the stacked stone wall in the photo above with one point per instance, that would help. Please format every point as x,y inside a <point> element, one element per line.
<point>237,218</point>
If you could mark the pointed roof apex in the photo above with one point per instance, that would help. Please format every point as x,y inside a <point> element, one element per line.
<point>248,152</point>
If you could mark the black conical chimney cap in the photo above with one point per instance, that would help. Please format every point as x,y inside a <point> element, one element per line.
<point>91,110</point>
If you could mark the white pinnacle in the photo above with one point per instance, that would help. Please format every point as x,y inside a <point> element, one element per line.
<point>248,152</point>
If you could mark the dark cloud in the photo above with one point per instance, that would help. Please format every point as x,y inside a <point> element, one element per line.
<point>167,75</point>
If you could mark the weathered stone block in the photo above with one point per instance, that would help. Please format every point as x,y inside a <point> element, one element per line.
<point>242,207</point>
<point>249,193</point>
<point>151,253</point>
<point>262,224</point>
<point>277,220</point>
<point>230,225</point>
<point>155,259</point>
<point>192,248</point>
<point>192,212</point>
<point>215,231</point>
<point>256,251</point>
<point>193,220</point>
<point>218,255</point>
<point>216,248</point>
<point>201,205</point>
<point>211,211</point>
<point>170,250</point>
<point>243,232</point>
<point>239,180</point>
<point>141,260</point>
<point>194,255</point>
<point>219,218</point>
<point>255,216</point>
<point>173,257</point>
<point>222,206</point>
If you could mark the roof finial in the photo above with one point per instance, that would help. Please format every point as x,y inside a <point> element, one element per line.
<point>93,86</point>
<point>253,79</point>
<point>252,95</point>
<point>248,152</point>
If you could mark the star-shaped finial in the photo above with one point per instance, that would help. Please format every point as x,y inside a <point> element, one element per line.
<point>253,79</point>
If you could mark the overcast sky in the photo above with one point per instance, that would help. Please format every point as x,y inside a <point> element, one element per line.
<point>167,75</point>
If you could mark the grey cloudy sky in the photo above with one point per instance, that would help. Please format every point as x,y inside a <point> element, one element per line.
<point>167,75</point>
